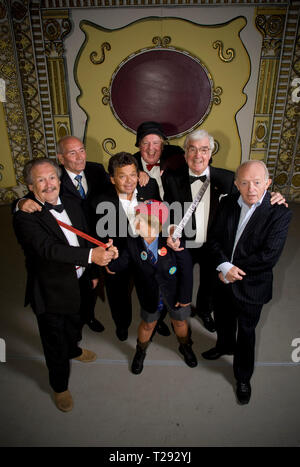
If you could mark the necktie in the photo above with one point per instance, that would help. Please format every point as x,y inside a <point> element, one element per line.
<point>152,259</point>
<point>192,179</point>
<point>150,166</point>
<point>57,207</point>
<point>79,186</point>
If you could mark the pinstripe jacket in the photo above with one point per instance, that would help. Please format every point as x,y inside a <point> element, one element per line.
<point>257,250</point>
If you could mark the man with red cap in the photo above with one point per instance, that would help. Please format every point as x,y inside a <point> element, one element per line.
<point>163,278</point>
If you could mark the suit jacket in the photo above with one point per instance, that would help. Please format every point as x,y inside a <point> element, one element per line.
<point>257,250</point>
<point>117,224</point>
<point>98,182</point>
<point>151,279</point>
<point>52,284</point>
<point>178,188</point>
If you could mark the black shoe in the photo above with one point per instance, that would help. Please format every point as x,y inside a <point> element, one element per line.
<point>243,392</point>
<point>138,360</point>
<point>122,334</point>
<point>162,329</point>
<point>95,325</point>
<point>188,355</point>
<point>214,354</point>
<point>208,322</point>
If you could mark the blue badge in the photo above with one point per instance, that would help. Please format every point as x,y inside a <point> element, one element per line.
<point>172,270</point>
<point>144,255</point>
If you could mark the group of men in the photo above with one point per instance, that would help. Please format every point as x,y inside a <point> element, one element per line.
<point>236,235</point>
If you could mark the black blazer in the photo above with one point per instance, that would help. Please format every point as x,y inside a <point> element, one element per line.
<point>257,250</point>
<point>111,217</point>
<point>178,188</point>
<point>52,284</point>
<point>149,278</point>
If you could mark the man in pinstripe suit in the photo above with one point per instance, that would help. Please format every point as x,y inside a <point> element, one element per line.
<point>246,241</point>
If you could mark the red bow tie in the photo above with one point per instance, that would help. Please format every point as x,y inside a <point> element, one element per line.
<point>150,166</point>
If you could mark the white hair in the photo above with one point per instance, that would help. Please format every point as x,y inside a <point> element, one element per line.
<point>197,136</point>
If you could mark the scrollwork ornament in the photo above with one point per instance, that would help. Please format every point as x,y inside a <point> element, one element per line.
<point>161,41</point>
<point>111,142</point>
<point>93,55</point>
<point>216,93</point>
<point>229,52</point>
<point>106,95</point>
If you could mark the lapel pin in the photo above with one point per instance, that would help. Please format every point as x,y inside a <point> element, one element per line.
<point>144,255</point>
<point>172,270</point>
<point>162,251</point>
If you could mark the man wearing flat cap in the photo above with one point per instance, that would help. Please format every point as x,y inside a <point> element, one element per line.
<point>154,154</point>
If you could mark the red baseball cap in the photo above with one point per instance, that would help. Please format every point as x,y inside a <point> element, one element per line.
<point>155,208</point>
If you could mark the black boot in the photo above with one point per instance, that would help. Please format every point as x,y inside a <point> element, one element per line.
<point>185,348</point>
<point>139,357</point>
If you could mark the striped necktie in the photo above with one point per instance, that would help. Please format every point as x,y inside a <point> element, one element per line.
<point>79,186</point>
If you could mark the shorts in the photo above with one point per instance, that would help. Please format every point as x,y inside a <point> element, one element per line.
<point>180,314</point>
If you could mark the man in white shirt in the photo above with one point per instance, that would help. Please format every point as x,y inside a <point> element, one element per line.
<point>120,201</point>
<point>60,279</point>
<point>245,242</point>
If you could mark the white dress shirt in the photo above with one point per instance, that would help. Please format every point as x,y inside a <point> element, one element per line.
<point>75,182</point>
<point>202,210</point>
<point>154,173</point>
<point>70,236</point>
<point>129,208</point>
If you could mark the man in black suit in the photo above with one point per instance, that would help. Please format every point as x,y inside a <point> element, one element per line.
<point>154,154</point>
<point>182,185</point>
<point>59,272</point>
<point>246,241</point>
<point>81,181</point>
<point>115,217</point>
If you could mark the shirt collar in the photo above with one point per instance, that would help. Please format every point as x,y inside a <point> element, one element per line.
<point>258,203</point>
<point>205,172</point>
<point>72,175</point>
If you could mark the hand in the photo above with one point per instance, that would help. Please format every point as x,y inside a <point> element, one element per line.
<point>143,179</point>
<point>94,283</point>
<point>113,249</point>
<point>234,274</point>
<point>174,245</point>
<point>109,271</point>
<point>28,205</point>
<point>102,257</point>
<point>182,304</point>
<point>277,198</point>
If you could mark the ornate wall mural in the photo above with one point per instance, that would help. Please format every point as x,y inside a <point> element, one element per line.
<point>36,103</point>
<point>177,79</point>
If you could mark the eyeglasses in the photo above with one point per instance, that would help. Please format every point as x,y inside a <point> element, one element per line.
<point>203,151</point>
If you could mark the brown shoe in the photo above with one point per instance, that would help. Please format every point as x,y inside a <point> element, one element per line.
<point>63,400</point>
<point>87,356</point>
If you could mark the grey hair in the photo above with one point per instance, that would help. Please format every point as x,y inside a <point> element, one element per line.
<point>246,163</point>
<point>198,135</point>
<point>28,167</point>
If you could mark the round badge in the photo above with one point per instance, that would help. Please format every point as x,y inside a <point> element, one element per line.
<point>162,251</point>
<point>144,255</point>
<point>172,270</point>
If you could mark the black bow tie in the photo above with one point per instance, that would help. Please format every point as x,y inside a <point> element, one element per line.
<point>192,179</point>
<point>57,207</point>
